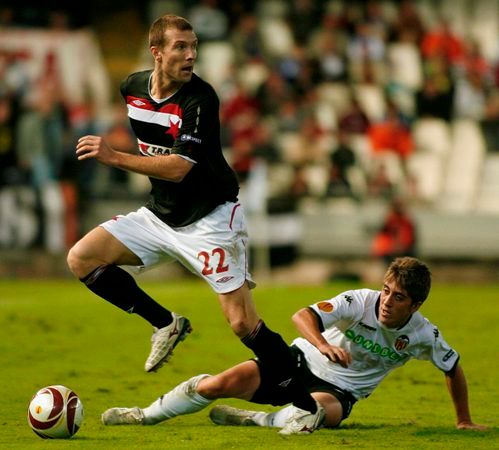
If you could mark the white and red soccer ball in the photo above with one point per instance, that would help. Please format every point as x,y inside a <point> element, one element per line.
<point>55,412</point>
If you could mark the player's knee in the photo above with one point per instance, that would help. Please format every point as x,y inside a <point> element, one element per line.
<point>211,387</point>
<point>72,260</point>
<point>240,326</point>
<point>76,263</point>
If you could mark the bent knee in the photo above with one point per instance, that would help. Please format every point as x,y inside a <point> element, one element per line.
<point>211,388</point>
<point>241,327</point>
<point>78,264</point>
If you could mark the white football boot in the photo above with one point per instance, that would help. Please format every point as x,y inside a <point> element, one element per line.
<point>123,416</point>
<point>164,340</point>
<point>227,415</point>
<point>303,422</point>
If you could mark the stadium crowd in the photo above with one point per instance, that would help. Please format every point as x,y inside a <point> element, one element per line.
<point>329,94</point>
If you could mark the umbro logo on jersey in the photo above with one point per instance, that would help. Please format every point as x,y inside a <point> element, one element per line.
<point>138,103</point>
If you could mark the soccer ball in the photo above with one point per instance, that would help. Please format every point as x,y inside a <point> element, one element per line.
<point>55,412</point>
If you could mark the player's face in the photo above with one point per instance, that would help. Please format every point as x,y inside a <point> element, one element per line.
<point>395,306</point>
<point>177,57</point>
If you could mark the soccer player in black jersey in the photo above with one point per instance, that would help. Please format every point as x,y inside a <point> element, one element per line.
<point>192,216</point>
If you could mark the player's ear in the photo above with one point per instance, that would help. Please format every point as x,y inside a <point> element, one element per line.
<point>156,54</point>
<point>416,306</point>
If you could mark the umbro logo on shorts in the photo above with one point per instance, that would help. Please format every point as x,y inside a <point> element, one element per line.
<point>224,279</point>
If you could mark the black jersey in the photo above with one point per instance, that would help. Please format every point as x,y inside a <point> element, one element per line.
<point>186,124</point>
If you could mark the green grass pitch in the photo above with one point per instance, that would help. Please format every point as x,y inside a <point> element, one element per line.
<point>57,332</point>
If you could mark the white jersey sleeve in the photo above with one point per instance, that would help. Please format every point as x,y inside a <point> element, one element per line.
<point>341,310</point>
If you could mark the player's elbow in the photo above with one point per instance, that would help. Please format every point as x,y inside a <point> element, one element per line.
<point>176,178</point>
<point>297,317</point>
<point>178,170</point>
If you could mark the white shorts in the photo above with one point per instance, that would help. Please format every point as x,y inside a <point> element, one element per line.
<point>214,247</point>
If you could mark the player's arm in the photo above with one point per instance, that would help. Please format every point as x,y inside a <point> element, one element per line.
<point>310,327</point>
<point>166,167</point>
<point>458,390</point>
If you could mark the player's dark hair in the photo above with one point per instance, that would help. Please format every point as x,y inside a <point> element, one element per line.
<point>412,275</point>
<point>157,31</point>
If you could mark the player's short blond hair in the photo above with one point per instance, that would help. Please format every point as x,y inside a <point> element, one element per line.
<point>412,275</point>
<point>157,35</point>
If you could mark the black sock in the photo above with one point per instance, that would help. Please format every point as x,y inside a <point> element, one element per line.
<point>118,287</point>
<point>272,351</point>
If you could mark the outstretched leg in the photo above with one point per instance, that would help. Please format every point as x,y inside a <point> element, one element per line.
<point>95,259</point>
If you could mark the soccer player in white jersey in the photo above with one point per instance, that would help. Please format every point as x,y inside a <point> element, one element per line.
<point>349,344</point>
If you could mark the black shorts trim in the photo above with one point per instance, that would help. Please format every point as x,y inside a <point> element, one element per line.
<point>271,393</point>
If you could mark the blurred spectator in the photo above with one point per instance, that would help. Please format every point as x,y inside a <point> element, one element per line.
<point>289,116</point>
<point>308,147</point>
<point>365,44</point>
<point>10,171</point>
<point>392,135</point>
<point>119,135</point>
<point>441,41</point>
<point>366,53</point>
<point>272,93</point>
<point>476,63</point>
<point>331,61</point>
<point>470,97</point>
<point>379,182</point>
<point>80,176</point>
<point>376,18</point>
<point>303,17</point>
<point>490,122</point>
<point>354,120</point>
<point>408,26</point>
<point>397,235</point>
<point>291,65</point>
<point>246,40</point>
<point>40,148</point>
<point>209,20</point>
<point>299,185</point>
<point>342,159</point>
<point>435,100</point>
<point>237,114</point>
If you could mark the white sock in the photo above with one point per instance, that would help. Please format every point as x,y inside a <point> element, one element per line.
<point>182,399</point>
<point>274,419</point>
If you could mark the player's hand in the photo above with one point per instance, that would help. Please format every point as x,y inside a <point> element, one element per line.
<point>471,426</point>
<point>94,147</point>
<point>337,355</point>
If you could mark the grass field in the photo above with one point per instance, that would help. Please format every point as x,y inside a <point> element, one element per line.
<point>57,332</point>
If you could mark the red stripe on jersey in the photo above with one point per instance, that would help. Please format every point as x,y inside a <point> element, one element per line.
<point>171,108</point>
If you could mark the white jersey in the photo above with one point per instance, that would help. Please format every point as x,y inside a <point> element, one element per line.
<point>350,322</point>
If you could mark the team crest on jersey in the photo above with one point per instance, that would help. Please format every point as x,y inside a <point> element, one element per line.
<point>325,307</point>
<point>401,342</point>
